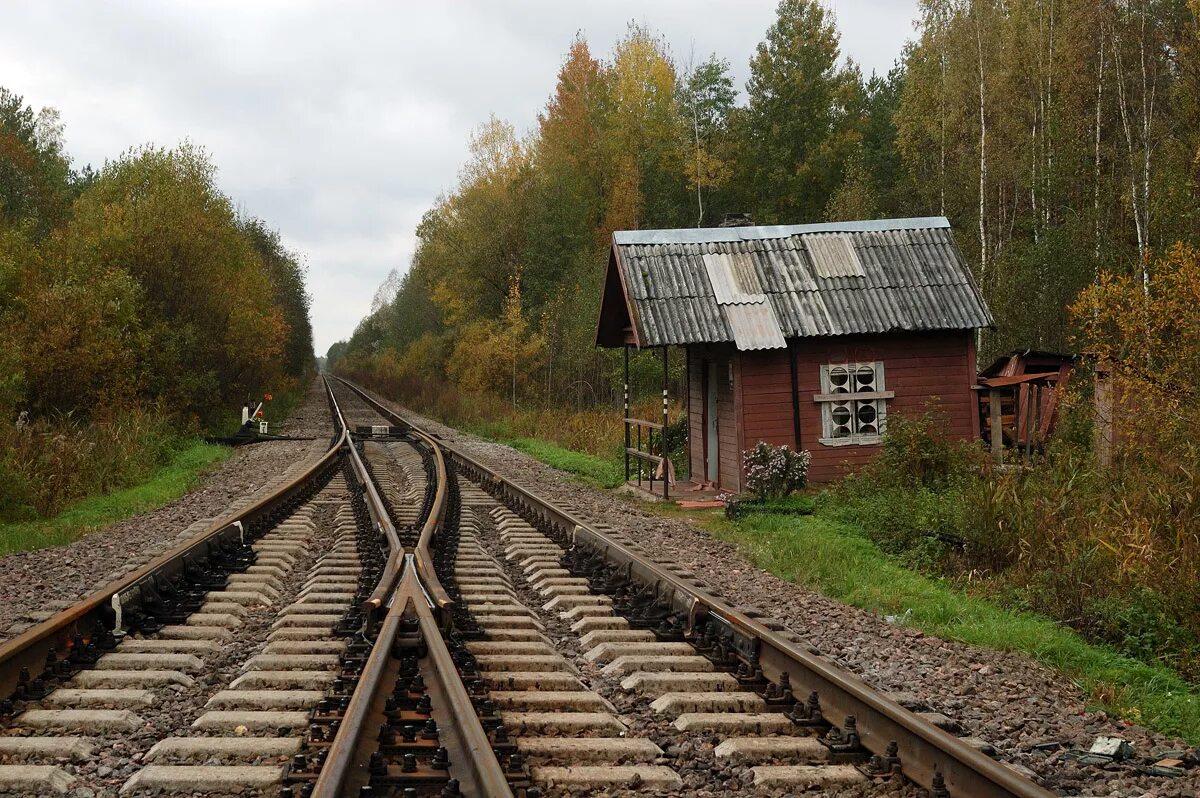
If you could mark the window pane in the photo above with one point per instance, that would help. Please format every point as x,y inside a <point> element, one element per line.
<point>866,413</point>
<point>868,419</point>
<point>864,379</point>
<point>842,418</point>
<point>839,379</point>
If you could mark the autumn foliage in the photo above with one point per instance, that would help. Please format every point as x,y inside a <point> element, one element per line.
<point>1057,136</point>
<point>135,304</point>
<point>1144,339</point>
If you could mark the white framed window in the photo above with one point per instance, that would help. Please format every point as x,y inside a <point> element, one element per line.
<point>853,403</point>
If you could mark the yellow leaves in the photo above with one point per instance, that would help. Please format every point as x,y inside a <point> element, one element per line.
<point>497,356</point>
<point>153,288</point>
<point>644,119</point>
<point>451,301</point>
<point>643,76</point>
<point>705,170</point>
<point>496,155</point>
<point>625,199</point>
<point>1149,338</point>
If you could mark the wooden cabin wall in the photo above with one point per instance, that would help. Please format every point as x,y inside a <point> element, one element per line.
<point>921,368</point>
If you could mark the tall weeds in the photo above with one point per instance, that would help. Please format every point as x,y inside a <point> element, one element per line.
<point>51,462</point>
<point>1111,551</point>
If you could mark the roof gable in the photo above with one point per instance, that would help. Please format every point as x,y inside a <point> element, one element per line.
<point>756,286</point>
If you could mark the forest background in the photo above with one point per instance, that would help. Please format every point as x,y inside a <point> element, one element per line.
<point>138,309</point>
<point>1060,139</point>
<point>1057,135</point>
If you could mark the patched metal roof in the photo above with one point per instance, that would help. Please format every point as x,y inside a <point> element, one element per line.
<point>756,286</point>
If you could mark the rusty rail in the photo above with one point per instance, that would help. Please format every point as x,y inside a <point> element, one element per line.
<point>924,749</point>
<point>410,589</point>
<point>473,762</point>
<point>59,634</point>
<point>374,604</point>
<point>422,555</point>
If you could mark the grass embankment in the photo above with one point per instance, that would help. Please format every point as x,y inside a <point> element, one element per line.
<point>588,468</point>
<point>837,558</point>
<point>584,444</point>
<point>839,561</point>
<point>169,482</point>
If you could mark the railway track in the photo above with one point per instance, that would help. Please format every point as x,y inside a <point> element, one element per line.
<point>396,619</point>
<point>783,717</point>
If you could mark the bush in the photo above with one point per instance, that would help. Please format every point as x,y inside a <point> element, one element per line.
<point>917,452</point>
<point>1103,550</point>
<point>773,472</point>
<point>791,505</point>
<point>1141,624</point>
<point>47,464</point>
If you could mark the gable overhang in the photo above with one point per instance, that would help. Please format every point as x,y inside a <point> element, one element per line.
<point>616,325</point>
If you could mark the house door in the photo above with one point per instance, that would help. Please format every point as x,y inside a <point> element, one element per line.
<point>712,450</point>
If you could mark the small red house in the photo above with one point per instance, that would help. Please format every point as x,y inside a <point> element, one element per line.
<point>805,335</point>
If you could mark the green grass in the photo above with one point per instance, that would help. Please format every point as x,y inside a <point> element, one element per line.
<point>591,469</point>
<point>168,482</point>
<point>837,560</point>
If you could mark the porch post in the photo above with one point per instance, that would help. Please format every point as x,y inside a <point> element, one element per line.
<point>994,423</point>
<point>624,418</point>
<point>665,450</point>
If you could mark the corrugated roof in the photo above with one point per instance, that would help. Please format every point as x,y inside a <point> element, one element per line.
<point>731,284</point>
<point>754,326</point>
<point>833,255</point>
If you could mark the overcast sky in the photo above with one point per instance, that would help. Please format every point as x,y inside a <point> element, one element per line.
<point>339,123</point>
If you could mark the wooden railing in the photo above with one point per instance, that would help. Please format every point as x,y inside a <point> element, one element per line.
<point>633,449</point>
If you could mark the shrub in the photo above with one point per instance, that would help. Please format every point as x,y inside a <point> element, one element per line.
<point>47,464</point>
<point>917,451</point>
<point>773,472</point>
<point>1141,624</point>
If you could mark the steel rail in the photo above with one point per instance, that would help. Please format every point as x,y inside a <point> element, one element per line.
<point>383,524</point>
<point>473,762</point>
<point>374,604</point>
<point>89,616</point>
<point>924,749</point>
<point>475,765</point>
<point>410,589</point>
<point>423,558</point>
<point>344,766</point>
<point>348,755</point>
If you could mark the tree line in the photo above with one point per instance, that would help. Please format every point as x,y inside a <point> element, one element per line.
<point>128,291</point>
<point>1058,136</point>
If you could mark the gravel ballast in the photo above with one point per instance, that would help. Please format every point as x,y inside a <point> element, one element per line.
<point>1031,714</point>
<point>33,583</point>
<point>691,753</point>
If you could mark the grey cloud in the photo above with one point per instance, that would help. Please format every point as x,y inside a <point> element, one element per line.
<point>339,124</point>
